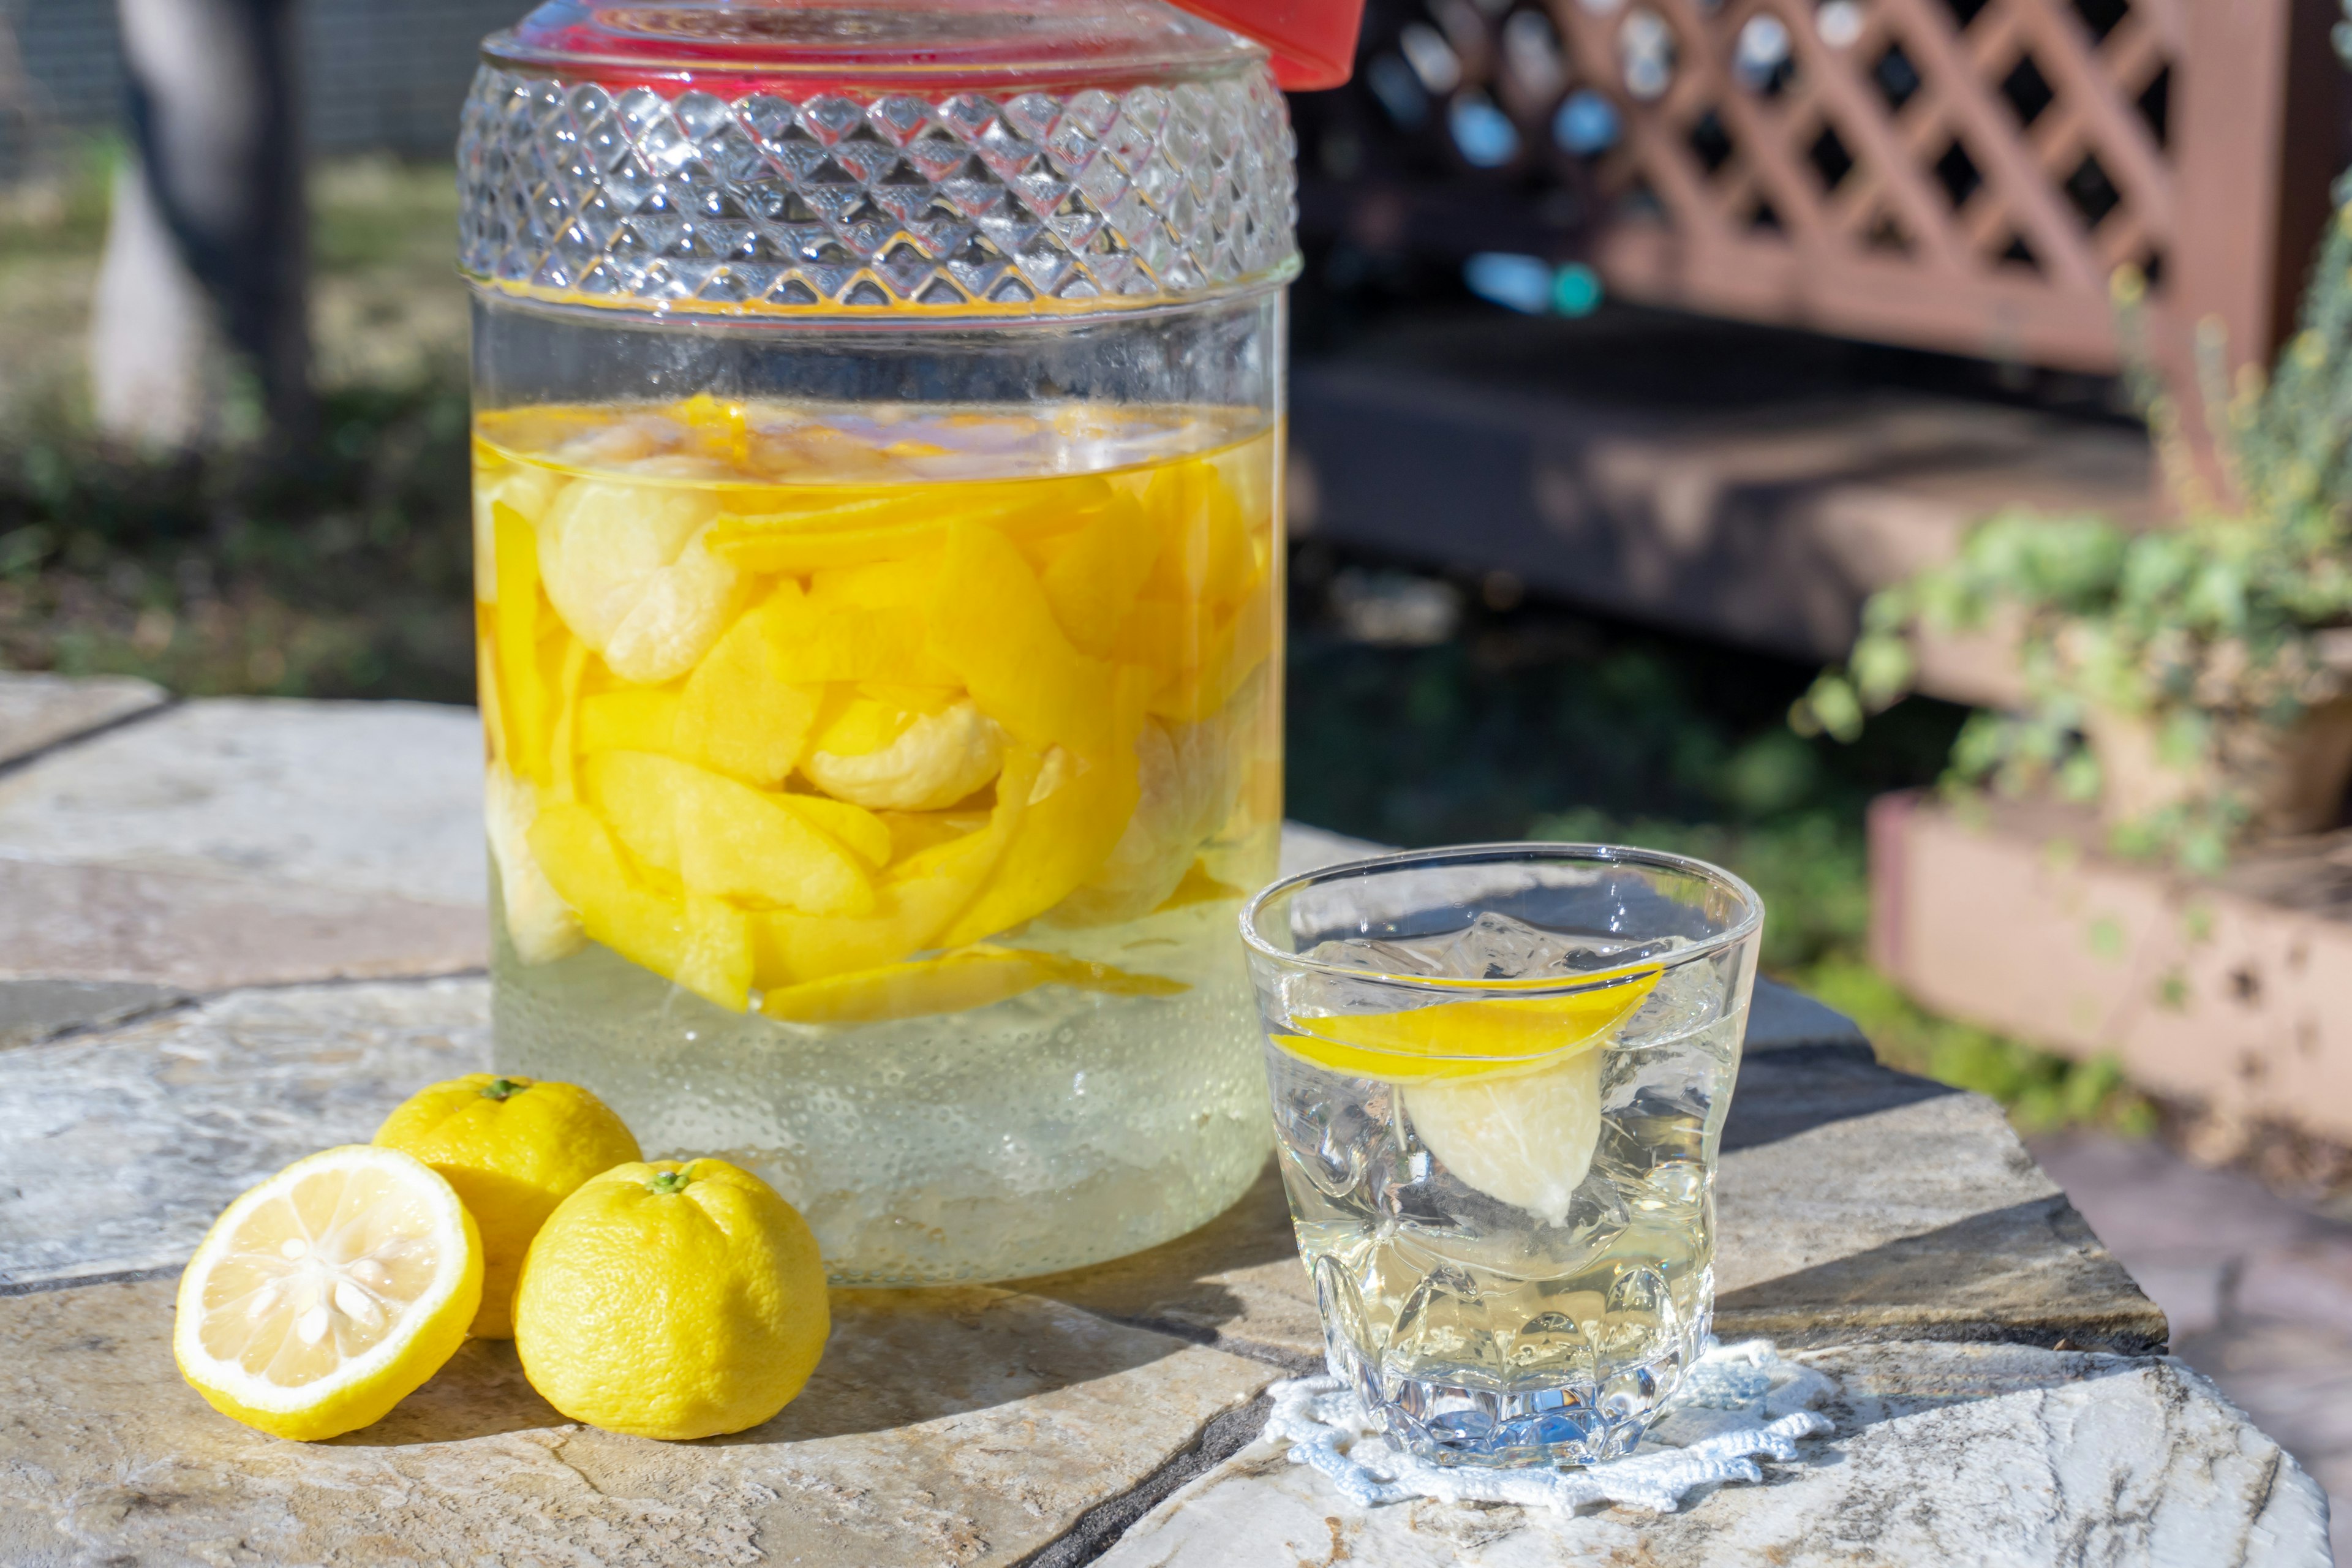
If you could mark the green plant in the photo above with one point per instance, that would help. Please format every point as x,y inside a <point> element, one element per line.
<point>2213,638</point>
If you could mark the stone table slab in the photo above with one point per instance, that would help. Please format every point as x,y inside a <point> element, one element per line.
<point>961,1426</point>
<point>1031,1423</point>
<point>40,1009</point>
<point>37,711</point>
<point>364,798</point>
<point>200,933</point>
<point>1990,1456</point>
<point>124,1144</point>
<point>245,842</point>
<point>2258,1288</point>
<point>1854,1203</point>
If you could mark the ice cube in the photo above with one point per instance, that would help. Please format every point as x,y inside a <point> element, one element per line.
<point>1377,956</point>
<point>1499,947</point>
<point>1491,947</point>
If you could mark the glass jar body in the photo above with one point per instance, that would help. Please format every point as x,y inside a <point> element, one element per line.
<point>884,728</point>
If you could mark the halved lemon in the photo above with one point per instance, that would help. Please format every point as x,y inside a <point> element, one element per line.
<point>326,1294</point>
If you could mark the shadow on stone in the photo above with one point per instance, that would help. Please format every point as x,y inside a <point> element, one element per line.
<point>480,1394</point>
<point>1795,1088</point>
<point>35,1010</point>
<point>2031,1273</point>
<point>898,1358</point>
<point>1188,1286</point>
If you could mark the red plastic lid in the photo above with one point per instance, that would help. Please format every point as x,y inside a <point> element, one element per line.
<point>731,46</point>
<point>1313,41</point>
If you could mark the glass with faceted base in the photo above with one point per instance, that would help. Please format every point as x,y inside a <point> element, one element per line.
<point>877,511</point>
<point>1499,1077</point>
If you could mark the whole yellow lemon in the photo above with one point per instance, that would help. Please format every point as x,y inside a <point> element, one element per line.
<point>514,1148</point>
<point>672,1300</point>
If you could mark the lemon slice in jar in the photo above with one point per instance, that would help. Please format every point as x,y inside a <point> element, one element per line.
<point>953,982</point>
<point>1504,1092</point>
<point>324,1295</point>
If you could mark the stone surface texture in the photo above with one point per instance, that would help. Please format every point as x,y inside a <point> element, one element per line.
<point>32,1010</point>
<point>39,711</point>
<point>203,933</point>
<point>249,842</point>
<point>1992,1456</point>
<point>365,797</point>
<point>944,1428</point>
<point>1857,1204</point>
<point>123,1145</point>
<point>153,874</point>
<point>2259,1291</point>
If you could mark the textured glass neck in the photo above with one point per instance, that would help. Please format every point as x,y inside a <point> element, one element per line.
<point>1035,202</point>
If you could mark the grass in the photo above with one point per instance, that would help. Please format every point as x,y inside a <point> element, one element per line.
<point>346,572</point>
<point>342,572</point>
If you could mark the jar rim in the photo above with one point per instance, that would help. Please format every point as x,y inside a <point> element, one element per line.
<point>805,44</point>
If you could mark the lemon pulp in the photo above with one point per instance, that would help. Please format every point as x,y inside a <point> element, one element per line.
<point>329,1292</point>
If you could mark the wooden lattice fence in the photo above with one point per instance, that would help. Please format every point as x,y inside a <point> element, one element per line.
<point>1960,175</point>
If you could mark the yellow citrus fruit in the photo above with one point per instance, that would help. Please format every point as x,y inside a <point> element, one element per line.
<point>1527,1139</point>
<point>324,1295</point>
<point>514,1148</point>
<point>672,1300</point>
<point>1505,1090</point>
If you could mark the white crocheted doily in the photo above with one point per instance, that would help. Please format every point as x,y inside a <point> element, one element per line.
<point>1735,1403</point>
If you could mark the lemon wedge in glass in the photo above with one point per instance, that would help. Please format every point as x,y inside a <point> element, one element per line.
<point>323,1296</point>
<point>1504,1091</point>
<point>1478,1036</point>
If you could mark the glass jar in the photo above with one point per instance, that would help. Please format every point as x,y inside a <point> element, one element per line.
<point>878,549</point>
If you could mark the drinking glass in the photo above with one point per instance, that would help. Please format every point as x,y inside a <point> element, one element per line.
<point>1499,1078</point>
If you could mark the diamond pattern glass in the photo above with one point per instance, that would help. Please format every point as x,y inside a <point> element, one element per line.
<point>1030,202</point>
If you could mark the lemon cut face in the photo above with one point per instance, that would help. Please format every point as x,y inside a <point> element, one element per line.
<point>324,1295</point>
